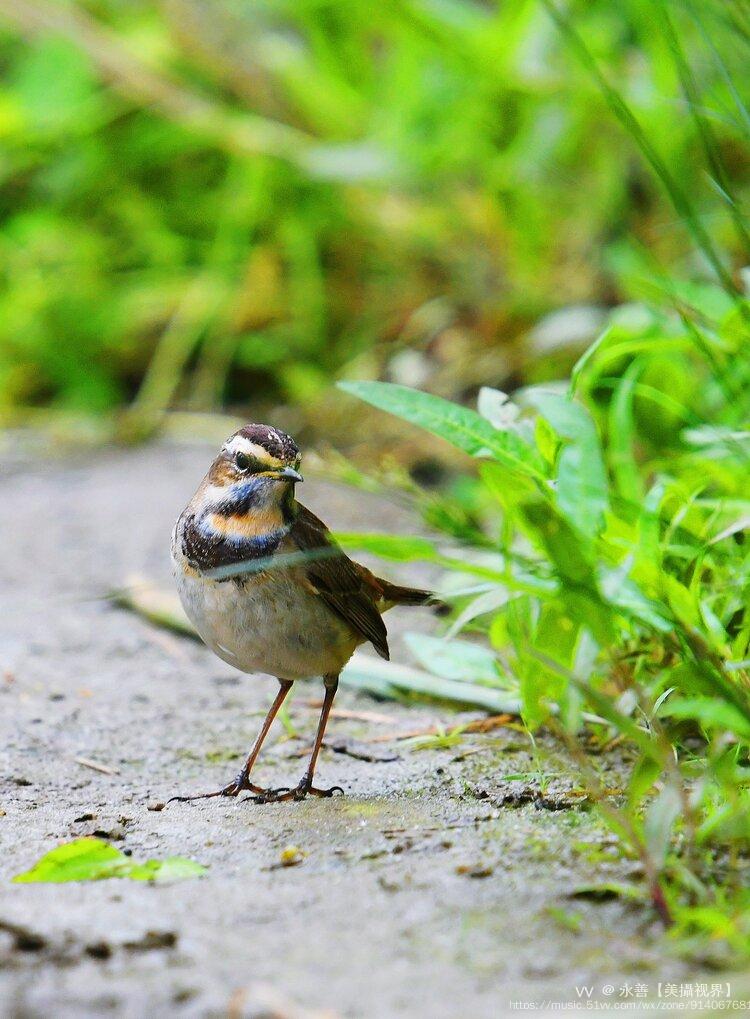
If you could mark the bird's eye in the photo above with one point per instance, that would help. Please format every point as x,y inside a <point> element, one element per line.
<point>242,461</point>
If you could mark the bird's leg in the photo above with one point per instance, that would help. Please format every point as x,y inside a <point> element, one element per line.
<point>306,787</point>
<point>242,781</point>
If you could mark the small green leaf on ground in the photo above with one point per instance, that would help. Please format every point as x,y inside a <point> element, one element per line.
<point>92,859</point>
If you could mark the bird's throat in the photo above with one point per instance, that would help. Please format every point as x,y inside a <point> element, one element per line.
<point>240,527</point>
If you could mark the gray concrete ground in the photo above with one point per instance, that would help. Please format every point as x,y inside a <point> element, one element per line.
<point>423,892</point>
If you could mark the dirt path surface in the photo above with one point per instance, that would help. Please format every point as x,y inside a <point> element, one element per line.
<point>427,891</point>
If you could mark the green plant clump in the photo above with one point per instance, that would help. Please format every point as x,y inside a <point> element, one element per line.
<point>601,553</point>
<point>610,576</point>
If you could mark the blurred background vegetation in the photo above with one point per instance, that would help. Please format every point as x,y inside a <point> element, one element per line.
<point>237,203</point>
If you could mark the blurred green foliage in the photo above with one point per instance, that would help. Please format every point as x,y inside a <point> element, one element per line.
<point>603,557</point>
<point>203,202</point>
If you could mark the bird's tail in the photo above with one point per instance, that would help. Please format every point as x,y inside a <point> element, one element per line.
<point>394,594</point>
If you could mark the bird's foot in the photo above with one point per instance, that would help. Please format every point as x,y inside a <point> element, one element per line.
<point>240,784</point>
<point>300,792</point>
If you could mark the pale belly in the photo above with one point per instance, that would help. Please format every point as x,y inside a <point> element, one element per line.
<point>270,625</point>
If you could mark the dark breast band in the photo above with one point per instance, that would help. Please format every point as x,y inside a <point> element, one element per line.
<point>206,549</point>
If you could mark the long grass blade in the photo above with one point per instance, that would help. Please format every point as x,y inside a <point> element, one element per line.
<point>629,121</point>
<point>702,125</point>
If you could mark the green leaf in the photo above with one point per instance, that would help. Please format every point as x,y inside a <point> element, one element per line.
<point>586,357</point>
<point>680,599</point>
<point>91,859</point>
<point>389,546</point>
<point>55,85</point>
<point>458,425</point>
<point>546,439</point>
<point>494,478</point>
<point>625,595</point>
<point>570,556</point>
<point>453,659</point>
<point>713,627</point>
<point>622,437</point>
<point>581,479</point>
<point>660,820</point>
<point>645,773</point>
<point>555,637</point>
<point>174,868</point>
<point>648,524</point>
<point>482,605</point>
<point>605,706</point>
<point>711,713</point>
<point>83,860</point>
<point>366,672</point>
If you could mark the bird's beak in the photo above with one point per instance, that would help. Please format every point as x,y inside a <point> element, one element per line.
<point>291,474</point>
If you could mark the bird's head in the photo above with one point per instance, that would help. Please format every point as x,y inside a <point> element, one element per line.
<point>255,470</point>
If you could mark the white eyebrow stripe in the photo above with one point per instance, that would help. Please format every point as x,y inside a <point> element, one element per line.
<point>239,444</point>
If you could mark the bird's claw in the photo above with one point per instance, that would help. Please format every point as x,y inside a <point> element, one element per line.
<point>300,792</point>
<point>240,784</point>
<point>271,795</point>
<point>312,791</point>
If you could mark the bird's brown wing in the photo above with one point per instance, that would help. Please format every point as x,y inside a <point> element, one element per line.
<point>349,589</point>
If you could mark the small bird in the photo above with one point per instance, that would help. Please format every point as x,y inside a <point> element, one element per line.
<point>268,589</point>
